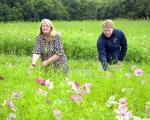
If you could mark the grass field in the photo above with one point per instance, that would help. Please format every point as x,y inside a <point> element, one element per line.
<point>79,37</point>
<point>122,83</point>
<point>21,94</point>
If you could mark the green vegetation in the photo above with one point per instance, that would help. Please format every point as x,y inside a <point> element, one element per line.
<point>122,84</point>
<point>79,38</point>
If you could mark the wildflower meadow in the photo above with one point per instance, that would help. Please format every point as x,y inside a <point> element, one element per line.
<point>86,94</point>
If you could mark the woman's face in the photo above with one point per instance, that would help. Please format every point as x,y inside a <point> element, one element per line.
<point>45,29</point>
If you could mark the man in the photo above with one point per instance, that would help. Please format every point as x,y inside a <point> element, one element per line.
<point>111,45</point>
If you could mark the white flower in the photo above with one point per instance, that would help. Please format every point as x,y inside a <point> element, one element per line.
<point>42,92</point>
<point>58,101</point>
<point>134,67</point>
<point>112,98</point>
<point>4,103</point>
<point>11,116</point>
<point>110,102</point>
<point>49,84</point>
<point>57,113</point>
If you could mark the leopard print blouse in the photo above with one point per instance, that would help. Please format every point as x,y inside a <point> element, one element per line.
<point>47,50</point>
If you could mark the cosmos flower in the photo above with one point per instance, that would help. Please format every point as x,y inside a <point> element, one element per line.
<point>75,86</point>
<point>11,105</point>
<point>134,67</point>
<point>123,114</point>
<point>43,82</point>
<point>77,99</point>
<point>16,94</point>
<point>49,84</point>
<point>57,113</point>
<point>138,72</point>
<point>110,102</point>
<point>122,102</point>
<point>38,80</point>
<point>11,116</point>
<point>87,87</point>
<point>58,101</point>
<point>42,92</point>
<point>4,102</point>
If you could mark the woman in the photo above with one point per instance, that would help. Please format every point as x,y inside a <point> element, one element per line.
<point>49,47</point>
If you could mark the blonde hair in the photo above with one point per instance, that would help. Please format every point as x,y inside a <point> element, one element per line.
<point>50,24</point>
<point>107,23</point>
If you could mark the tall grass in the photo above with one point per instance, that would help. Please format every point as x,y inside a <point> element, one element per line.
<point>32,106</point>
<point>79,38</point>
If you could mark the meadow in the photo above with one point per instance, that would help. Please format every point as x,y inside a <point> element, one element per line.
<point>87,93</point>
<point>79,38</point>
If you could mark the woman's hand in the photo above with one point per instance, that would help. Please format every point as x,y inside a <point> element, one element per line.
<point>30,68</point>
<point>45,63</point>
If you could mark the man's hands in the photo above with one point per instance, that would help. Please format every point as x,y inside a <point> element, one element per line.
<point>119,63</point>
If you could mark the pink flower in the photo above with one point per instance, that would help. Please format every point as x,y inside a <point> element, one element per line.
<point>81,92</point>
<point>16,94</point>
<point>122,102</point>
<point>57,113</point>
<point>87,87</point>
<point>77,84</point>
<point>43,82</point>
<point>123,114</point>
<point>77,99</point>
<point>1,78</point>
<point>11,105</point>
<point>138,72</point>
<point>38,80</point>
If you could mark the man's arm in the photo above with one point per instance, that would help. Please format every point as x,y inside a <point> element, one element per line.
<point>102,54</point>
<point>123,44</point>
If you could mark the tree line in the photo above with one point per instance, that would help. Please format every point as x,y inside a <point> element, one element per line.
<point>34,10</point>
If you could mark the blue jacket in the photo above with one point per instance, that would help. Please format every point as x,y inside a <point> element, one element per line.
<point>112,49</point>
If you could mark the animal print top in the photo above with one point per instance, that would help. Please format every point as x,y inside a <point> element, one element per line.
<point>47,50</point>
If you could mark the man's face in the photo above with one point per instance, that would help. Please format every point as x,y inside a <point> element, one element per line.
<point>108,31</point>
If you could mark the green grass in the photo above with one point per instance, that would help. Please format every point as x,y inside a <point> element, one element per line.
<point>34,107</point>
<point>79,38</point>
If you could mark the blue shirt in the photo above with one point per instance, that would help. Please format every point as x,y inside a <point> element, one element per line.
<point>111,49</point>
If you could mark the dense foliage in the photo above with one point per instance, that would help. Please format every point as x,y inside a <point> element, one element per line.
<point>14,10</point>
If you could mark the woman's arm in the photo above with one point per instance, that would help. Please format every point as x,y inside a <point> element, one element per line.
<point>34,59</point>
<point>52,59</point>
